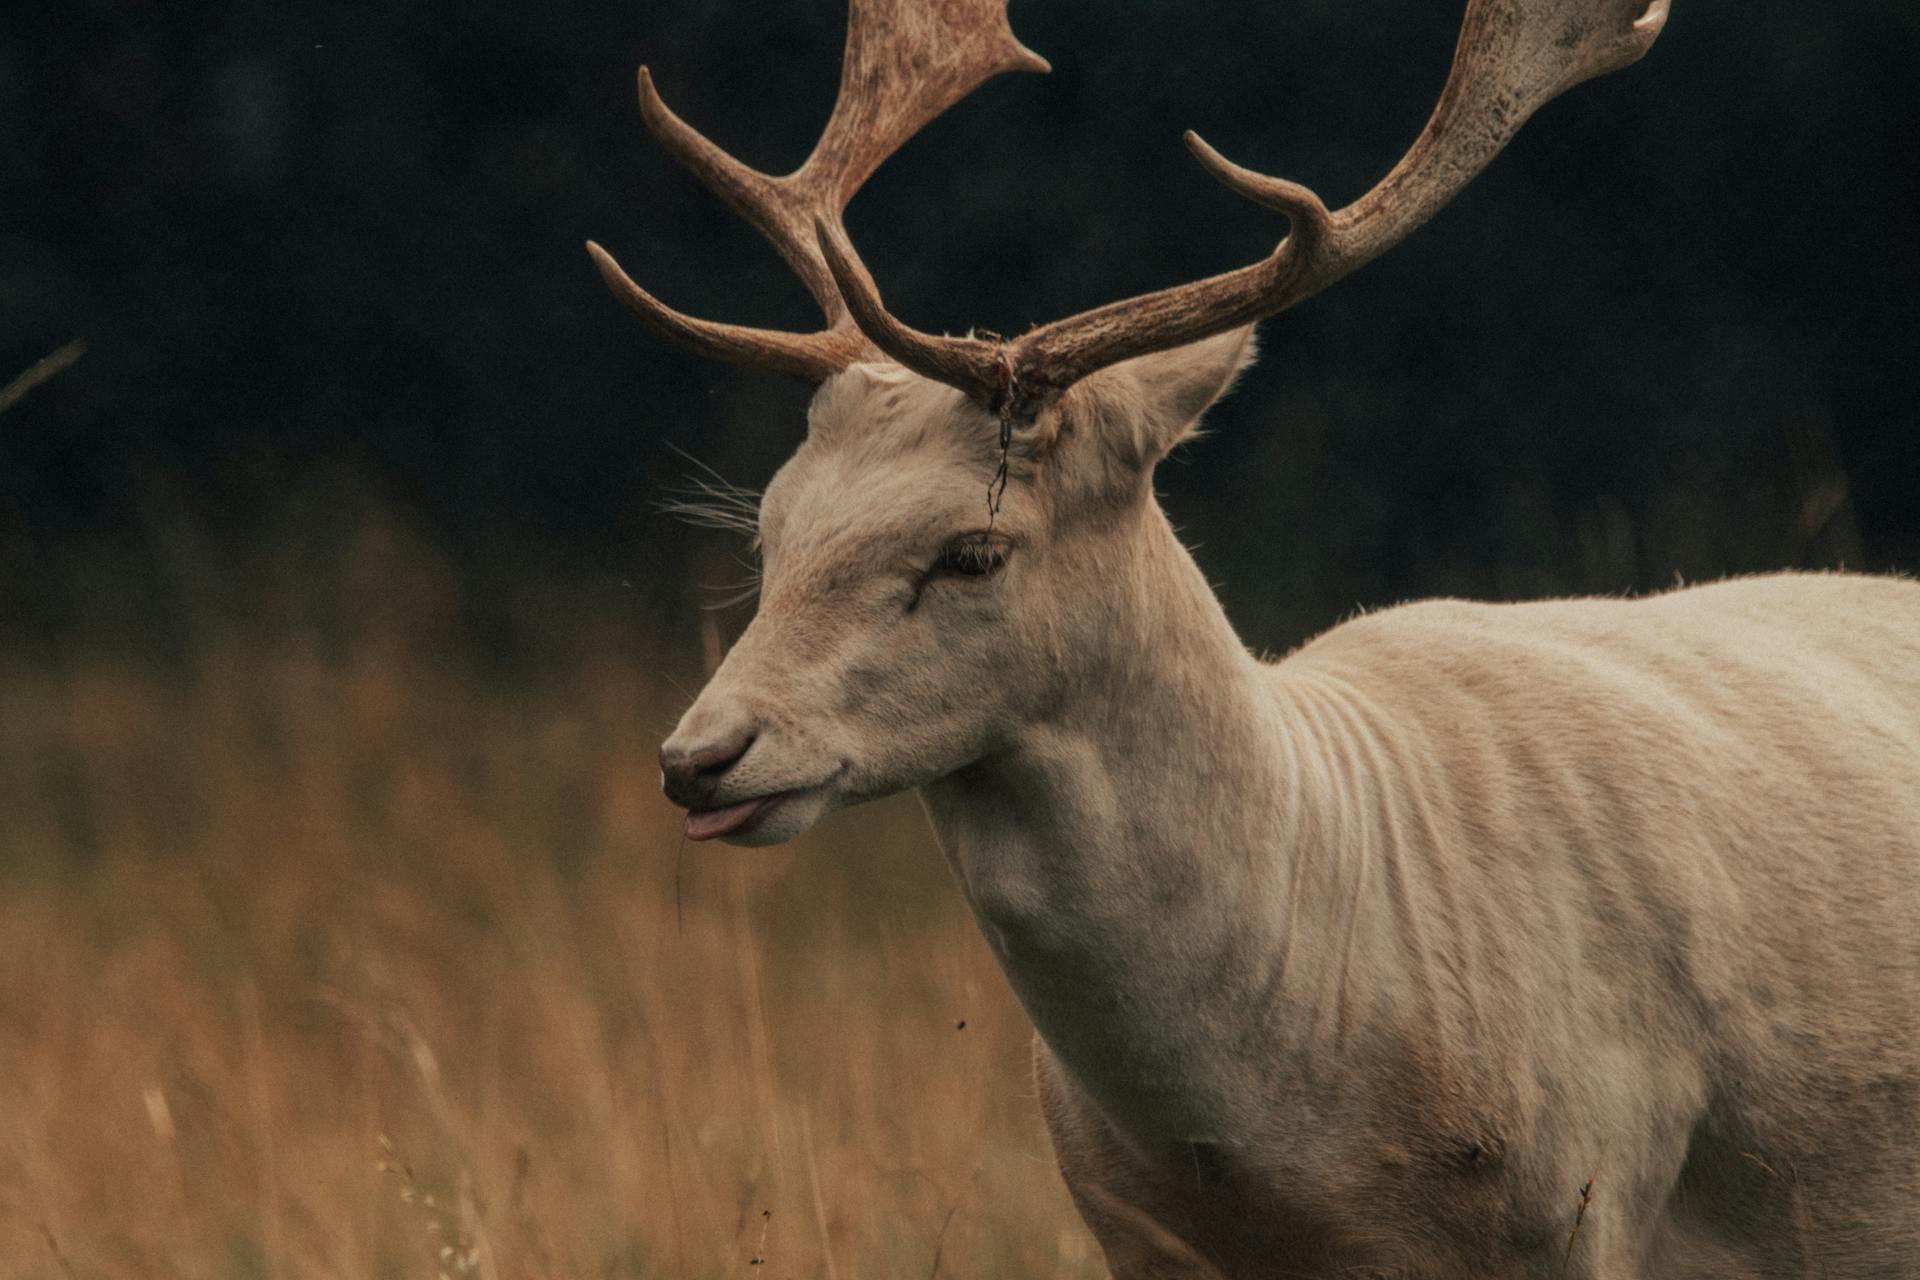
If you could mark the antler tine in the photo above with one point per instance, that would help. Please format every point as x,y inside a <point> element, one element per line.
<point>1310,224</point>
<point>812,357</point>
<point>765,202</point>
<point>906,62</point>
<point>1512,57</point>
<point>973,365</point>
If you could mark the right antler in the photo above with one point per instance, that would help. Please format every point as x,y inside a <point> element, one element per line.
<point>906,62</point>
<point>1513,56</point>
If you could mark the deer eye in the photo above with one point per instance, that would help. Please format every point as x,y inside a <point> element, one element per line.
<point>970,556</point>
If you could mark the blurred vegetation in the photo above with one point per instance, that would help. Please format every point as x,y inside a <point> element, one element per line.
<point>324,955</point>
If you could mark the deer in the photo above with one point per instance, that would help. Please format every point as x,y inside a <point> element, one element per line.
<point>1557,938</point>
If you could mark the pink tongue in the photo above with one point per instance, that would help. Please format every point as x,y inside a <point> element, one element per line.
<point>705,824</point>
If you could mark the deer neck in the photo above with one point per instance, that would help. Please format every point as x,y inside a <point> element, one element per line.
<point>1134,859</point>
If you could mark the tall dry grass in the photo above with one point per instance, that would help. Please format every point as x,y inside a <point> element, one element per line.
<point>344,959</point>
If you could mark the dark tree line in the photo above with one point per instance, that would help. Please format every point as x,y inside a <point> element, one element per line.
<point>328,260</point>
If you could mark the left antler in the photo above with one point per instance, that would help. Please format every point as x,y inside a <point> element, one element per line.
<point>906,62</point>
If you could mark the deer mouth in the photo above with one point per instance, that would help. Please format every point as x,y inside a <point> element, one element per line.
<point>710,824</point>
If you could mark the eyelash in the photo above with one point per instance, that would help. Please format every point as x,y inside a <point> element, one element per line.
<point>971,556</point>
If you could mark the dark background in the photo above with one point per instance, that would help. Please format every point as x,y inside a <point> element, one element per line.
<point>327,260</point>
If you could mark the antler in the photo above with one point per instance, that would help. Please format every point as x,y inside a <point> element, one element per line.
<point>1513,56</point>
<point>906,62</point>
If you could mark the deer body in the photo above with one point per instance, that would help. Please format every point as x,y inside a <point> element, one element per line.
<point>1565,939</point>
<point>1526,897</point>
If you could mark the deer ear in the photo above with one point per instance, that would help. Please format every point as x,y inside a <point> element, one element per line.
<point>1141,408</point>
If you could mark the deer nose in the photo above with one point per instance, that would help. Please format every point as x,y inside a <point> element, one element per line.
<point>692,777</point>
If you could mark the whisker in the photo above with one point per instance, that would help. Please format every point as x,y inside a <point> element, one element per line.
<point>711,501</point>
<point>746,593</point>
<point>708,511</point>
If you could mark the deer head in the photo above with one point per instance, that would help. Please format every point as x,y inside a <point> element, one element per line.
<point>909,623</point>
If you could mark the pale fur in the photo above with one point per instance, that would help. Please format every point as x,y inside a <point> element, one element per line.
<point>1571,938</point>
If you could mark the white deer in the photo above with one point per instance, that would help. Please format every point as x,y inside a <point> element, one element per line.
<point>1576,938</point>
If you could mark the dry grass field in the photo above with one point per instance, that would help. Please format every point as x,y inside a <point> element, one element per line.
<point>337,956</point>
